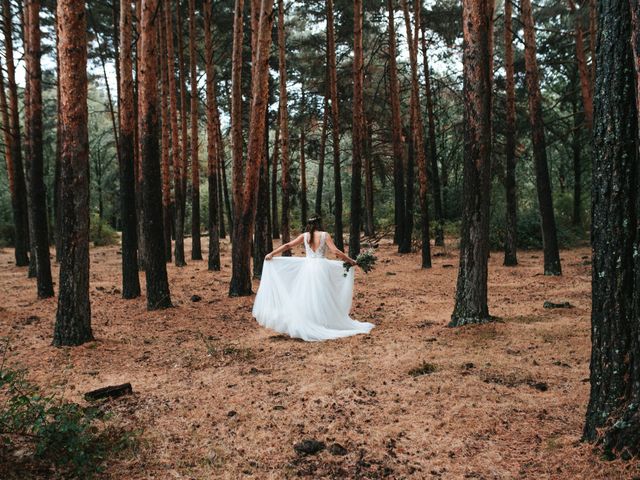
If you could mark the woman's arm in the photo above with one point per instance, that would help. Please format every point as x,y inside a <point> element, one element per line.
<point>337,252</point>
<point>285,247</point>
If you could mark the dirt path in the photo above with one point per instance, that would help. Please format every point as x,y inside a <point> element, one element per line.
<point>216,396</point>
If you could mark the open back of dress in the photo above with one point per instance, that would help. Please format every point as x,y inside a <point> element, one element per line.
<point>307,298</point>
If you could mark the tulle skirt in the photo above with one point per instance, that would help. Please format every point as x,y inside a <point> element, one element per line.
<point>307,298</point>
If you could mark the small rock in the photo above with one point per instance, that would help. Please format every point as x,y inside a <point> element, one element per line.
<point>196,298</point>
<point>447,265</point>
<point>232,413</point>
<point>309,447</point>
<point>541,386</point>
<point>549,304</point>
<point>337,449</point>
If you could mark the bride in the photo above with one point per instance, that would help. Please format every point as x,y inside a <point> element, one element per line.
<point>308,298</point>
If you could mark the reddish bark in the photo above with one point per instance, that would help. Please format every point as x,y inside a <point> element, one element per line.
<point>184,135</point>
<point>585,81</point>
<point>73,317</point>
<point>167,205</point>
<point>358,132</point>
<point>283,127</point>
<point>196,248</point>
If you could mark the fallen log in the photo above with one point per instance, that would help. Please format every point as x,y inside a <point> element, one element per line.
<point>113,391</point>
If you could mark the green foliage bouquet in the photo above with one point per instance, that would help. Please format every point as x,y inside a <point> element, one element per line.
<point>366,261</point>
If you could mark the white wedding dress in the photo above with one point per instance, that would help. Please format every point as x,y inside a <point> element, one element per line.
<point>307,298</point>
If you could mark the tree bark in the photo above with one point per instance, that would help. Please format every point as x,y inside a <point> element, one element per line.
<point>396,132</point>
<point>304,205</point>
<point>576,148</point>
<point>213,124</point>
<point>511,231</point>
<point>283,127</point>
<point>543,183</point>
<point>417,129</point>
<point>471,291</point>
<point>19,191</point>
<point>612,415</point>
<point>184,130</point>
<point>357,133</point>
<point>248,192</point>
<point>37,190</point>
<point>126,107</point>
<point>262,231</point>
<point>176,147</point>
<point>369,223</point>
<point>158,295</point>
<point>433,150</point>
<point>236,110</point>
<point>321,155</point>
<point>167,206</point>
<point>406,243</point>
<point>275,222</point>
<point>196,248</point>
<point>585,81</point>
<point>335,127</point>
<point>73,317</point>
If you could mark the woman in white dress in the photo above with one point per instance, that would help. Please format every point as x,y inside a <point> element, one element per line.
<point>308,298</point>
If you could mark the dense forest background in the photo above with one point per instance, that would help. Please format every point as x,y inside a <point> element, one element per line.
<point>568,147</point>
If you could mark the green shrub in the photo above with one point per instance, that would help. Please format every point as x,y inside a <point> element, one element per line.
<point>56,432</point>
<point>101,233</point>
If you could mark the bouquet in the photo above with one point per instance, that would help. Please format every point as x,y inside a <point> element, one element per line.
<point>366,260</point>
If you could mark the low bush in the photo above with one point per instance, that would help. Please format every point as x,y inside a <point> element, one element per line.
<point>101,233</point>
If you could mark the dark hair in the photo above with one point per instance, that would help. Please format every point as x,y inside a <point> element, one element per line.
<point>314,224</point>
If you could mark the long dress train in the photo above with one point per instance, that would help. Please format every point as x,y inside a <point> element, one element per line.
<point>307,298</point>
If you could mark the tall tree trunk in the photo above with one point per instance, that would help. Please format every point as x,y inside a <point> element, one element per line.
<point>396,132</point>
<point>511,232</point>
<point>236,109</point>
<point>167,206</point>
<point>613,417</point>
<point>19,192</point>
<point>321,155</point>
<point>196,248</point>
<point>283,127</point>
<point>126,107</point>
<point>184,135</point>
<point>433,151</point>
<point>176,150</point>
<point>275,222</point>
<point>248,192</point>
<point>593,26</point>
<point>369,224</point>
<point>262,233</point>
<point>585,81</point>
<point>543,183</point>
<point>73,318</point>
<point>358,132</point>
<point>227,201</point>
<point>137,144</point>
<point>37,190</point>
<point>158,295</point>
<point>213,124</point>
<point>221,223</point>
<point>471,291</point>
<point>406,243</point>
<point>417,129</point>
<point>304,206</point>
<point>335,127</point>
<point>57,221</point>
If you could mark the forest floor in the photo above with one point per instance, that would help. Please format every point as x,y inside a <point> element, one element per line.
<point>217,396</point>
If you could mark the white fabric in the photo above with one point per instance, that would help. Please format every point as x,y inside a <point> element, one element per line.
<point>307,298</point>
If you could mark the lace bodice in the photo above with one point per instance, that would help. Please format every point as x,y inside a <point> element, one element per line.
<point>321,249</point>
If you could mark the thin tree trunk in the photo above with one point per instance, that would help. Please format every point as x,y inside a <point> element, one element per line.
<point>613,417</point>
<point>37,190</point>
<point>275,223</point>
<point>417,129</point>
<point>283,126</point>
<point>184,135</point>
<point>236,109</point>
<point>576,147</point>
<point>433,151</point>
<point>471,291</point>
<point>138,144</point>
<point>262,232</point>
<point>166,136</point>
<point>396,134</point>
<point>335,127</point>
<point>126,106</point>
<point>511,232</point>
<point>585,81</point>
<point>304,206</point>
<point>176,150</point>
<point>196,248</point>
<point>543,183</point>
<point>248,192</point>
<point>73,317</point>
<point>406,244</point>
<point>213,158</point>
<point>221,225</point>
<point>19,192</point>
<point>158,295</point>
<point>358,132</point>
<point>227,200</point>
<point>369,226</point>
<point>321,155</point>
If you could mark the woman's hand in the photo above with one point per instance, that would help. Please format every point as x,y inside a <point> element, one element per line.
<point>268,256</point>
